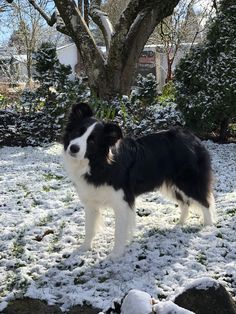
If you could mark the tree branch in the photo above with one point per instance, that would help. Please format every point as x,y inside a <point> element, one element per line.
<point>132,10</point>
<point>215,6</point>
<point>51,20</point>
<point>60,25</point>
<point>101,19</point>
<point>136,15</point>
<point>130,37</point>
<point>80,33</point>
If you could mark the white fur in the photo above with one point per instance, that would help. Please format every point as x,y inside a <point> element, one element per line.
<point>82,142</point>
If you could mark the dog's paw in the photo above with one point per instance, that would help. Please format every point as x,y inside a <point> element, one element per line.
<point>85,247</point>
<point>115,255</point>
<point>180,223</point>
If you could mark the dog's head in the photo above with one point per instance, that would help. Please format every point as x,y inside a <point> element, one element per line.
<point>86,137</point>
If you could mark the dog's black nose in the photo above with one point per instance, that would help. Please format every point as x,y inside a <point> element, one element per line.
<point>74,149</point>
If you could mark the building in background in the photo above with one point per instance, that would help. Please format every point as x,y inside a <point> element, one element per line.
<point>69,55</point>
<point>152,60</point>
<point>12,67</point>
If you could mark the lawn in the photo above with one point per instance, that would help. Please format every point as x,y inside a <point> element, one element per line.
<point>42,225</point>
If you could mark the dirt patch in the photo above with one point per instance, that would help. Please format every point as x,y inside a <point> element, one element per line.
<point>33,306</point>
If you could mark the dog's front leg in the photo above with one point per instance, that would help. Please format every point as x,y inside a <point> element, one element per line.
<point>92,224</point>
<point>124,224</point>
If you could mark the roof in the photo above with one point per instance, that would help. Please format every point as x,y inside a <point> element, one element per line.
<point>65,46</point>
<point>14,58</point>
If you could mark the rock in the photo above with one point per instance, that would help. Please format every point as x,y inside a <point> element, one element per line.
<point>83,310</point>
<point>33,306</point>
<point>206,296</point>
<point>137,302</point>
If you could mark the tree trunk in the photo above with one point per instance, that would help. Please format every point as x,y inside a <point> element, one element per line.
<point>29,67</point>
<point>169,75</point>
<point>223,136</point>
<point>118,74</point>
<point>112,83</point>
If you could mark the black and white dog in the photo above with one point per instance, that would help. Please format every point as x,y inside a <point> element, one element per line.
<point>110,170</point>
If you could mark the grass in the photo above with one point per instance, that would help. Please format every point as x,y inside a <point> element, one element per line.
<point>18,245</point>
<point>201,258</point>
<point>54,245</point>
<point>231,212</point>
<point>44,220</point>
<point>51,176</point>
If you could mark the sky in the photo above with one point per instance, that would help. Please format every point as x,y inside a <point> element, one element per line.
<point>6,28</point>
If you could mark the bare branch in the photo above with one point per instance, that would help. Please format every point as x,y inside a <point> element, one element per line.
<point>133,16</point>
<point>60,25</point>
<point>101,19</point>
<point>80,33</point>
<point>132,10</point>
<point>215,5</point>
<point>51,20</point>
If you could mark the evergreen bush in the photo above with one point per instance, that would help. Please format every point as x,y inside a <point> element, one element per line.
<point>205,79</point>
<point>41,114</point>
<point>145,91</point>
<point>49,72</point>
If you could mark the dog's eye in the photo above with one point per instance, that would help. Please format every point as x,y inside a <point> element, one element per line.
<point>91,139</point>
<point>80,132</point>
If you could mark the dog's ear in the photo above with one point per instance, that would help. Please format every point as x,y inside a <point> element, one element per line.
<point>81,111</point>
<point>112,133</point>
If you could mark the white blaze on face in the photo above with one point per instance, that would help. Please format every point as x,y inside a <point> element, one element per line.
<point>81,142</point>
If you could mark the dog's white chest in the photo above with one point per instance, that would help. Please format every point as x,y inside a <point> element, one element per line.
<point>103,195</point>
<point>100,196</point>
<point>74,168</point>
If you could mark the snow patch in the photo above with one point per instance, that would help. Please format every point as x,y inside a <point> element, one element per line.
<point>169,307</point>
<point>203,283</point>
<point>36,196</point>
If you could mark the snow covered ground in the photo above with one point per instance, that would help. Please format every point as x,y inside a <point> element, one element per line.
<point>42,224</point>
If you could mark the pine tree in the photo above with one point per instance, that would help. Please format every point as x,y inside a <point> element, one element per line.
<point>16,39</point>
<point>53,79</point>
<point>206,77</point>
<point>49,71</point>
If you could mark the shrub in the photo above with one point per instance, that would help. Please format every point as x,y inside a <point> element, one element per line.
<point>40,119</point>
<point>151,119</point>
<point>146,90</point>
<point>168,93</point>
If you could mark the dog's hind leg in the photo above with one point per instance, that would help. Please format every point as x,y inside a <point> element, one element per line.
<point>207,218</point>
<point>184,207</point>
<point>183,203</point>
<point>208,210</point>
